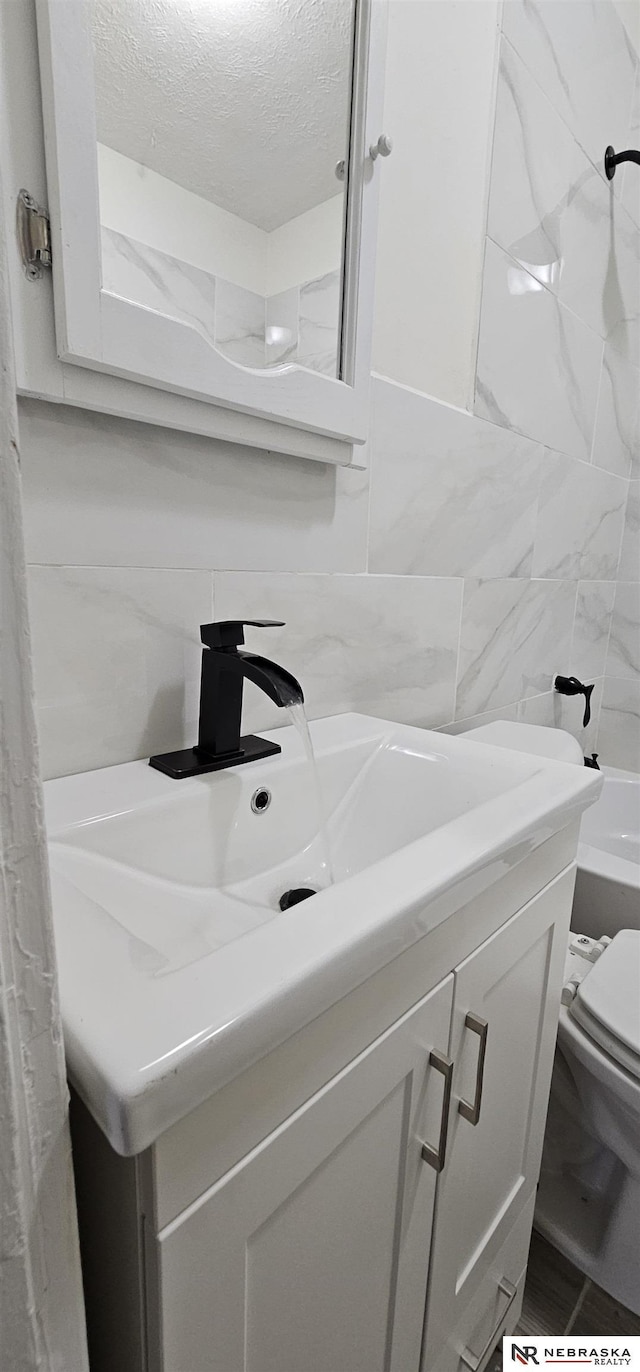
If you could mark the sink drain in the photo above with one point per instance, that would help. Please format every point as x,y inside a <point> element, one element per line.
<point>261,800</point>
<point>294,896</point>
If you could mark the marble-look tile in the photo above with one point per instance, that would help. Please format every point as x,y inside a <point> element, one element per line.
<point>117,662</point>
<point>556,215</point>
<point>240,324</point>
<point>580,520</point>
<point>512,633</point>
<point>579,53</point>
<point>619,290</point>
<point>103,491</point>
<point>538,364</point>
<point>451,495</point>
<point>540,710</point>
<point>137,272</point>
<point>623,658</point>
<point>538,176</point>
<point>616,441</point>
<point>462,726</point>
<point>601,279</point>
<point>281,314</point>
<point>319,324</point>
<point>629,569</point>
<point>555,711</point>
<point>630,196</point>
<point>619,734</point>
<point>385,646</point>
<point>594,607</point>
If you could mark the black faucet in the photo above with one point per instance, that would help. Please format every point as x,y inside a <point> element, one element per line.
<point>224,668</point>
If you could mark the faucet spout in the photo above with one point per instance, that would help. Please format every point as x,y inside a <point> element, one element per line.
<point>276,682</point>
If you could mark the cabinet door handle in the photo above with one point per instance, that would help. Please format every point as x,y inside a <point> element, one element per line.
<point>481,1027</point>
<point>436,1156</point>
<point>474,1360</point>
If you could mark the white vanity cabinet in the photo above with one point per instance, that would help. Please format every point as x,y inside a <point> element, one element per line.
<point>360,1200</point>
<point>506,991</point>
<point>300,1256</point>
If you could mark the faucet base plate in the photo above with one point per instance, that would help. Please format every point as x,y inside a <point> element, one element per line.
<point>193,762</point>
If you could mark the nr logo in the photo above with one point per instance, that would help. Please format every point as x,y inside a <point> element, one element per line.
<point>527,1354</point>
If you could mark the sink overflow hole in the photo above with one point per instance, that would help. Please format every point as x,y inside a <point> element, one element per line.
<point>261,800</point>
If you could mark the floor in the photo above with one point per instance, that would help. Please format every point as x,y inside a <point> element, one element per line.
<point>560,1300</point>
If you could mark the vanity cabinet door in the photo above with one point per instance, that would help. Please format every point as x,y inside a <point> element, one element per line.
<point>298,1258</point>
<point>511,985</point>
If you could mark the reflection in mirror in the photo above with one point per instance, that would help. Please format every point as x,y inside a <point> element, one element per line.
<point>220,126</point>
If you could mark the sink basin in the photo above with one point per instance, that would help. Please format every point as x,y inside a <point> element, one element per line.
<point>194,866</point>
<point>178,967</point>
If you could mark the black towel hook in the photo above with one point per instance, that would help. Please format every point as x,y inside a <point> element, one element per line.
<point>611,159</point>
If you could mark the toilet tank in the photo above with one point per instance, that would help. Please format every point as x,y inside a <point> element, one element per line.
<point>530,738</point>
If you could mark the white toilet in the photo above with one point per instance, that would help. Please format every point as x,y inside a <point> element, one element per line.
<point>589,1194</point>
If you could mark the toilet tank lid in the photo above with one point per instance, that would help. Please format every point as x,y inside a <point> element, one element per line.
<point>530,738</point>
<point>610,993</point>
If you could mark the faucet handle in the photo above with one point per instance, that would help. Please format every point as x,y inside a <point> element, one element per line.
<point>229,633</point>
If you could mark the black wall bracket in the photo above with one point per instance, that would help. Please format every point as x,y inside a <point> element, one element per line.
<point>570,686</point>
<point>612,158</point>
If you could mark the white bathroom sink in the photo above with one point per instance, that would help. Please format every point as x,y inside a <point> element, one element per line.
<point>177,966</point>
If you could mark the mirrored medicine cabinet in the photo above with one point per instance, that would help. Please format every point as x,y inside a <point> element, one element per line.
<point>212,176</point>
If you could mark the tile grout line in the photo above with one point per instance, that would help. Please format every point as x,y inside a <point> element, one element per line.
<point>597,166</point>
<point>578,1305</point>
<point>554,296</point>
<point>459,653</point>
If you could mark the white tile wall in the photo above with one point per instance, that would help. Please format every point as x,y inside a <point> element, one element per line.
<point>104,492</point>
<point>623,658</point>
<point>630,193</point>
<point>161,282</point>
<point>580,520</point>
<point>281,324</point>
<point>561,314</point>
<point>629,569</point>
<point>616,441</point>
<point>538,364</point>
<point>116,633</point>
<point>619,732</point>
<point>383,645</point>
<point>554,211</point>
<point>580,55</point>
<point>479,555</point>
<point>540,201</point>
<point>594,608</point>
<point>511,640</point>
<point>450,494</point>
<point>240,324</point>
<point>319,314</point>
<point>117,661</point>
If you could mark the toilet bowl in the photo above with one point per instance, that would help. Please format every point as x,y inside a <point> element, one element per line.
<point>588,1202</point>
<point>589,1194</point>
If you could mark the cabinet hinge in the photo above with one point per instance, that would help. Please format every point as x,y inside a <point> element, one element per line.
<point>34,236</point>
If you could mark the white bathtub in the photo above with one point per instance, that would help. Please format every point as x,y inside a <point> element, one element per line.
<point>608,883</point>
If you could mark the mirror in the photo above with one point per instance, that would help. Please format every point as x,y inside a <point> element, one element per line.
<point>221,128</point>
